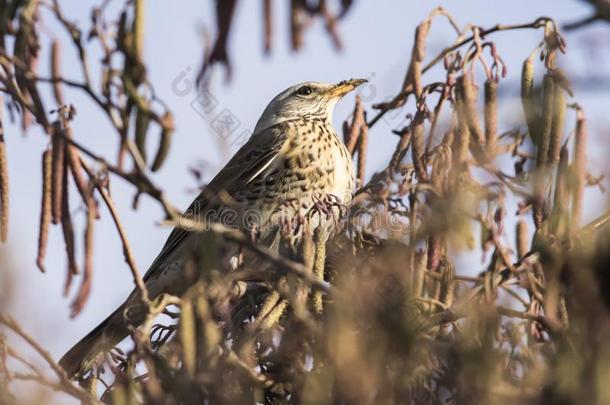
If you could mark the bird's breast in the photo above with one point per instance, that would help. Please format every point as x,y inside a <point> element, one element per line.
<point>317,155</point>
<point>311,173</point>
<point>343,185</point>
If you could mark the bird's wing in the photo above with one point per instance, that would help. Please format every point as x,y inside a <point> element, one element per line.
<point>249,162</point>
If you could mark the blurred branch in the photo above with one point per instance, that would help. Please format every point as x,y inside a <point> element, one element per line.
<point>127,252</point>
<point>400,98</point>
<point>241,239</point>
<point>601,13</point>
<point>64,385</point>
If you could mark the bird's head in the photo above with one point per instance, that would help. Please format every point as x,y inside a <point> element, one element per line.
<point>313,99</point>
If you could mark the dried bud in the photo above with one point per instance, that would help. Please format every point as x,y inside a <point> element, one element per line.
<point>553,42</point>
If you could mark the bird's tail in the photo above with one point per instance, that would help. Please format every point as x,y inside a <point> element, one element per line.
<point>103,337</point>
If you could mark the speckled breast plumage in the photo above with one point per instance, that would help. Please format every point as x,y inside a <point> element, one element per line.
<point>313,169</point>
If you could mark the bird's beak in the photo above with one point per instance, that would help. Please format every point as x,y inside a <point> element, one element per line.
<point>342,88</point>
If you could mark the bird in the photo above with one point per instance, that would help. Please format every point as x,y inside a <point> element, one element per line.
<point>293,160</point>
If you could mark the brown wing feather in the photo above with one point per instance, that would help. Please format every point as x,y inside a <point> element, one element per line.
<point>249,160</point>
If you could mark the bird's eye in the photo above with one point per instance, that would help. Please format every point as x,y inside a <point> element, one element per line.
<point>304,91</point>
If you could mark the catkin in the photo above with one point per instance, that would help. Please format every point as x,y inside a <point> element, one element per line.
<point>320,237</point>
<point>55,73</point>
<point>546,124</point>
<point>85,287</point>
<point>362,147</point>
<point>527,97</point>
<point>141,129</point>
<point>469,109</point>
<point>559,109</point>
<point>434,253</point>
<point>167,128</point>
<point>138,29</point>
<point>82,185</point>
<point>447,284</point>
<point>351,137</point>
<point>414,73</point>
<point>417,147</point>
<point>268,26</point>
<point>401,149</point>
<point>461,140</point>
<point>522,238</point>
<point>210,328</point>
<point>188,336</point>
<point>419,269</point>
<point>296,26</point>
<point>441,168</point>
<point>45,209</point>
<point>561,198</point>
<point>579,168</point>
<point>67,226</point>
<point>58,166</point>
<point>491,117</point>
<point>4,204</point>
<point>546,120</point>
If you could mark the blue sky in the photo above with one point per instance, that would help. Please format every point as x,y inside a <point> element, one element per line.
<point>377,37</point>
